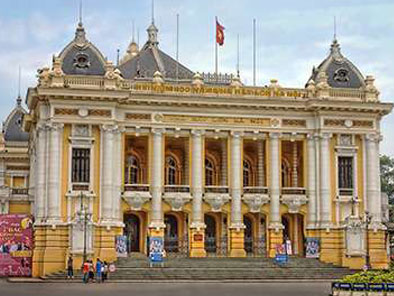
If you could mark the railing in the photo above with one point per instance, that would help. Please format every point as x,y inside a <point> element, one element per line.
<point>80,186</point>
<point>255,246</point>
<point>177,188</point>
<point>345,191</point>
<point>78,81</point>
<point>220,78</point>
<point>255,190</point>
<point>19,191</point>
<point>136,187</point>
<point>347,93</point>
<point>293,191</point>
<point>216,189</point>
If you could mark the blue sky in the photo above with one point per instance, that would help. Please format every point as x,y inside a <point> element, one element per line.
<point>292,37</point>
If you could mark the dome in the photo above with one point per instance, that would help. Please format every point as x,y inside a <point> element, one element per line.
<point>81,57</point>
<point>341,72</point>
<point>12,127</point>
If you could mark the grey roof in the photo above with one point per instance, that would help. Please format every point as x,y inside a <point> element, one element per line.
<point>151,59</point>
<point>81,57</point>
<point>341,72</point>
<point>12,127</point>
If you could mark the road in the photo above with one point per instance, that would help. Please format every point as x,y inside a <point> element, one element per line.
<point>164,289</point>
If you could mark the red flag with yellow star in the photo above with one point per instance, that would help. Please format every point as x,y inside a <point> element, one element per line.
<point>219,33</point>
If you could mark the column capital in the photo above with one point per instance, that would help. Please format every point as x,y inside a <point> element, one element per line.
<point>275,135</point>
<point>109,128</point>
<point>158,131</point>
<point>375,137</point>
<point>197,132</point>
<point>237,134</point>
<point>325,136</point>
<point>54,126</point>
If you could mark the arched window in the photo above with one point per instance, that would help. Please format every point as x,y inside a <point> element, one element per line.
<point>132,170</point>
<point>209,173</point>
<point>286,173</point>
<point>171,171</point>
<point>247,174</point>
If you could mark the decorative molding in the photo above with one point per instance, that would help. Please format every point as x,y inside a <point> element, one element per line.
<point>138,116</point>
<point>249,121</point>
<point>216,201</point>
<point>363,123</point>
<point>100,112</point>
<point>255,201</point>
<point>65,111</point>
<point>177,200</point>
<point>348,123</point>
<point>82,112</point>
<point>293,123</point>
<point>294,202</point>
<point>136,199</point>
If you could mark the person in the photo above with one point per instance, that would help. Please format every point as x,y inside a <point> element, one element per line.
<point>104,269</point>
<point>91,271</point>
<point>70,272</point>
<point>98,270</point>
<point>85,271</point>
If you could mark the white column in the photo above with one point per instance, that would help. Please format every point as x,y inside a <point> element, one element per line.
<point>260,163</point>
<point>274,189</point>
<point>117,177</point>
<point>107,173</point>
<point>311,181</point>
<point>295,234</point>
<point>197,173</point>
<point>236,169</point>
<point>223,162</point>
<point>157,179</point>
<point>54,174</point>
<point>186,179</point>
<point>41,173</point>
<point>325,181</point>
<point>373,183</point>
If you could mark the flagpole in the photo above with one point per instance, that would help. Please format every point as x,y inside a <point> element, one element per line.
<point>177,46</point>
<point>216,50</point>
<point>254,52</point>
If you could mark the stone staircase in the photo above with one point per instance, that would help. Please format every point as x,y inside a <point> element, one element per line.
<point>136,268</point>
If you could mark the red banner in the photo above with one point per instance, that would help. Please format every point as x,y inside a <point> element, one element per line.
<point>219,33</point>
<point>16,245</point>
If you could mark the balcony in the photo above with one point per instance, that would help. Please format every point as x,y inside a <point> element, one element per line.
<point>345,191</point>
<point>136,195</point>
<point>19,191</point>
<point>176,196</point>
<point>216,196</point>
<point>294,198</point>
<point>255,197</point>
<point>80,187</point>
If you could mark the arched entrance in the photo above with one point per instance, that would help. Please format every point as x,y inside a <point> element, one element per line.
<point>248,235</point>
<point>294,231</point>
<point>132,232</point>
<point>171,233</point>
<point>210,234</point>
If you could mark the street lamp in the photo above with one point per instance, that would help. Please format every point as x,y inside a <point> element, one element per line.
<point>84,217</point>
<point>368,218</point>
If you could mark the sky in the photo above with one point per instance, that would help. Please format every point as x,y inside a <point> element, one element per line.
<point>292,37</point>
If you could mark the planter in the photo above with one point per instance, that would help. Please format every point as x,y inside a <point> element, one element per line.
<point>362,289</point>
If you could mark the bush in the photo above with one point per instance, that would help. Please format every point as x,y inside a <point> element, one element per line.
<point>374,277</point>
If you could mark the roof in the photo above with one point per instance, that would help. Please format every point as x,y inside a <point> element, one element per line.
<point>81,57</point>
<point>144,63</point>
<point>341,72</point>
<point>12,127</point>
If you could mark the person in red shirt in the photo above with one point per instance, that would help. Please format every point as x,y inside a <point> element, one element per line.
<point>85,271</point>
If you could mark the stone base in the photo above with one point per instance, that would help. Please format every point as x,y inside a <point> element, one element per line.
<point>331,246</point>
<point>377,249</point>
<point>275,237</point>
<point>105,243</point>
<point>197,248</point>
<point>237,243</point>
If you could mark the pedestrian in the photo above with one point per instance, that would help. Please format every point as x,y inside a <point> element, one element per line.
<point>85,271</point>
<point>98,270</point>
<point>91,271</point>
<point>70,271</point>
<point>104,275</point>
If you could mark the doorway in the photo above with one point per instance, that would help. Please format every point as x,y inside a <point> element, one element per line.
<point>132,232</point>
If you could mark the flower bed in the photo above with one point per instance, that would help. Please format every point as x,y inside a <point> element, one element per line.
<point>365,283</point>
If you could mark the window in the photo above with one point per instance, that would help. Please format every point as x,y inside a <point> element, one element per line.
<point>80,165</point>
<point>132,170</point>
<point>345,172</point>
<point>247,174</point>
<point>171,171</point>
<point>209,173</point>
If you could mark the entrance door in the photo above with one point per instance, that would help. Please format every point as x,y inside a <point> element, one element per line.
<point>210,234</point>
<point>132,232</point>
<point>248,235</point>
<point>171,234</point>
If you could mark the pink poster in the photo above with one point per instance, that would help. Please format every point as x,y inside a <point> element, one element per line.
<point>16,245</point>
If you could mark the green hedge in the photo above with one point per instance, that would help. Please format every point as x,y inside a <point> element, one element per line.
<point>373,277</point>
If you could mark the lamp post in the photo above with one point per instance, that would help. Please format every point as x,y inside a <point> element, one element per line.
<point>368,219</point>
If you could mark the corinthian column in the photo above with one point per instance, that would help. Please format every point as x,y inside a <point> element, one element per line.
<point>41,173</point>
<point>117,176</point>
<point>274,189</point>
<point>311,181</point>
<point>260,163</point>
<point>197,221</point>
<point>157,181</point>
<point>325,182</point>
<point>107,173</point>
<point>54,173</point>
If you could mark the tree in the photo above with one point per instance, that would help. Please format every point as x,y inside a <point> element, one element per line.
<point>387,176</point>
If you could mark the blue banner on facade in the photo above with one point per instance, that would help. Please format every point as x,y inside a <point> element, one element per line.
<point>156,249</point>
<point>312,247</point>
<point>121,245</point>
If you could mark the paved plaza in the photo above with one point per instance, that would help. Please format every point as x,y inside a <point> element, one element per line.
<point>164,289</point>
